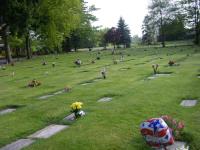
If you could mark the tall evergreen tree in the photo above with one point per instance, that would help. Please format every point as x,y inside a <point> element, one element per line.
<point>124,33</point>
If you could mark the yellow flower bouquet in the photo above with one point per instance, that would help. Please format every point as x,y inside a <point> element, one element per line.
<point>76,109</point>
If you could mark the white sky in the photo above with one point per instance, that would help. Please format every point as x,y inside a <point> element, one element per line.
<point>133,11</point>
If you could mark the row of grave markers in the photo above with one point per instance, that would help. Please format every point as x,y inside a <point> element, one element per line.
<point>44,133</point>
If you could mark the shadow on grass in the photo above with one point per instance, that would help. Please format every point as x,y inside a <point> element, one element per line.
<point>12,106</point>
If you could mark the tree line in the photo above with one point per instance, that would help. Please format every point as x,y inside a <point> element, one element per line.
<point>29,27</point>
<point>43,25</point>
<point>172,20</point>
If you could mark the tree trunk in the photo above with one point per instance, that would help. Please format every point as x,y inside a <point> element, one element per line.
<point>197,22</point>
<point>28,51</point>
<point>162,31</point>
<point>6,44</point>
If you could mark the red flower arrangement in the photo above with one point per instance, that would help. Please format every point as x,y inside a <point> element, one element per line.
<point>176,126</point>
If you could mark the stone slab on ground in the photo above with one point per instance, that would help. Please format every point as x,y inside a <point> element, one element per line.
<point>159,75</point>
<point>124,69</point>
<point>48,131</point>
<point>70,117</point>
<point>188,103</point>
<point>86,83</point>
<point>105,99</point>
<point>177,146</point>
<point>6,111</point>
<point>59,92</point>
<point>162,74</point>
<point>152,77</point>
<point>46,96</point>
<point>18,145</point>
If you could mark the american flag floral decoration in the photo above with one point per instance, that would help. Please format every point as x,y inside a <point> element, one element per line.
<point>156,133</point>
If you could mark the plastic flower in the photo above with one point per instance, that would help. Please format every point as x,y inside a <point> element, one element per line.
<point>76,106</point>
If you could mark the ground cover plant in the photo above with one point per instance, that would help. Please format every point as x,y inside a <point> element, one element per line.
<point>112,125</point>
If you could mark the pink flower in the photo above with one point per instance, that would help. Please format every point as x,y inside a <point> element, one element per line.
<point>174,122</point>
<point>181,125</point>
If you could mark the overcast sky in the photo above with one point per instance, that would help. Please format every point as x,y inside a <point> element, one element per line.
<point>133,11</point>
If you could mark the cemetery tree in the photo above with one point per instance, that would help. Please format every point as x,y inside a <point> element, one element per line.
<point>175,29</point>
<point>148,30</point>
<point>100,35</point>
<point>83,35</point>
<point>160,11</point>
<point>19,17</point>
<point>4,28</point>
<point>192,12</point>
<point>124,33</point>
<point>57,19</point>
<point>112,36</point>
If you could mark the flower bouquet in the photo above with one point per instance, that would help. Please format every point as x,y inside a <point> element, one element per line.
<point>171,63</point>
<point>34,83</point>
<point>67,89</point>
<point>176,126</point>
<point>76,109</point>
<point>155,68</point>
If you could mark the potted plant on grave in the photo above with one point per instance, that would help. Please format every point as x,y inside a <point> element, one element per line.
<point>76,109</point>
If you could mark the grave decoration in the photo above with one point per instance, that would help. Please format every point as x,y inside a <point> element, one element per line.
<point>44,63</point>
<point>155,68</point>
<point>3,67</point>
<point>78,62</point>
<point>115,61</point>
<point>34,83</point>
<point>76,109</point>
<point>122,57</point>
<point>176,127</point>
<point>53,64</point>
<point>171,63</point>
<point>156,133</point>
<point>103,73</point>
<point>67,89</point>
<point>12,64</point>
<point>98,58</point>
<point>13,74</point>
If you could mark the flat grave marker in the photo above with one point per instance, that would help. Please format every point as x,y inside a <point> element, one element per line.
<point>177,146</point>
<point>53,94</point>
<point>46,96</point>
<point>70,117</point>
<point>159,75</point>
<point>48,131</point>
<point>18,145</point>
<point>105,99</point>
<point>188,103</point>
<point>6,111</point>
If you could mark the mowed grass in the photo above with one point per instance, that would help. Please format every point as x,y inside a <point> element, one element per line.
<point>107,126</point>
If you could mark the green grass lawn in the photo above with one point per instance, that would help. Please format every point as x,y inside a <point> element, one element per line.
<point>107,126</point>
